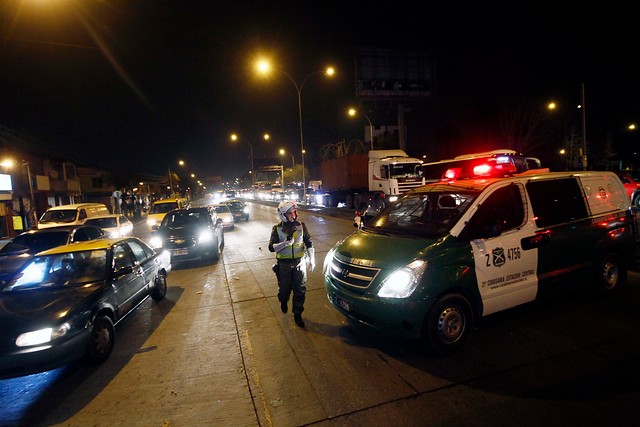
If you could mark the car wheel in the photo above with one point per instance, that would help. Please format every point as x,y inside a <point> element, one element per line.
<point>160,288</point>
<point>636,202</point>
<point>102,339</point>
<point>448,324</point>
<point>610,274</point>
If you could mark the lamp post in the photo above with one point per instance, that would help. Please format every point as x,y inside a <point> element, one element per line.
<point>584,130</point>
<point>352,112</point>
<point>264,67</point>
<point>234,137</point>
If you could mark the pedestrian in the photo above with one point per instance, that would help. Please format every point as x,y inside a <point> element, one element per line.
<point>291,242</point>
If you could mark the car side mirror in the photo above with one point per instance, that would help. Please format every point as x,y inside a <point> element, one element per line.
<point>124,271</point>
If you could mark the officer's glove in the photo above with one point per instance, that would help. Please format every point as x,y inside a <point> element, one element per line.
<point>311,253</point>
<point>283,245</point>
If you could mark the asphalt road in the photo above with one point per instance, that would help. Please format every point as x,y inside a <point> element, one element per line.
<point>219,352</point>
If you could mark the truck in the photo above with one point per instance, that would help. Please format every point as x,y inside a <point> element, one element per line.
<point>351,180</point>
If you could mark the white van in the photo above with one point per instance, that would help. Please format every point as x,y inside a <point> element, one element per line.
<point>447,254</point>
<point>74,214</point>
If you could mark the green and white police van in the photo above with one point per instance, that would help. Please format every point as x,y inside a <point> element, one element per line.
<point>448,253</point>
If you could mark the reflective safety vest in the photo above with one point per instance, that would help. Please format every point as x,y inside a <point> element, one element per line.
<point>295,251</point>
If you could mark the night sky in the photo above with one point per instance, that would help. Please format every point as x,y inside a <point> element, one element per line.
<point>137,85</point>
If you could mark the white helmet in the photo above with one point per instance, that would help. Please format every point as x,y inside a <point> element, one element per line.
<point>285,207</point>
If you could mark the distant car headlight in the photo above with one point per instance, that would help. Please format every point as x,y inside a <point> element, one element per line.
<point>205,236</point>
<point>155,242</point>
<point>41,336</point>
<point>402,282</point>
<point>245,210</point>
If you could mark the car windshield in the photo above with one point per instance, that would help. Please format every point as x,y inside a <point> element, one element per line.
<point>158,208</point>
<point>221,208</point>
<point>59,215</point>
<point>428,214</point>
<point>185,219</point>
<point>61,270</point>
<point>103,222</point>
<point>36,242</point>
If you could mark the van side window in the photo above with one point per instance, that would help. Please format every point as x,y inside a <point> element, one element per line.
<point>556,201</point>
<point>502,211</point>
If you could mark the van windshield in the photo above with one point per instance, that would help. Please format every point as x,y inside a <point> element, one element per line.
<point>423,214</point>
<point>59,216</point>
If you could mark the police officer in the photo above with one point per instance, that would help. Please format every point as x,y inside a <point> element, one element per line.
<point>289,240</point>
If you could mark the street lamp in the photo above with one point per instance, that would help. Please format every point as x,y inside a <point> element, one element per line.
<point>293,161</point>
<point>234,137</point>
<point>264,67</point>
<point>353,112</point>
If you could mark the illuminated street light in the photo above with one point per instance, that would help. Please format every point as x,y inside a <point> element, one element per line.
<point>353,112</point>
<point>234,137</point>
<point>293,161</point>
<point>264,67</point>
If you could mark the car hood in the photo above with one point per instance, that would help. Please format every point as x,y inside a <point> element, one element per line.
<point>28,309</point>
<point>382,251</point>
<point>179,231</point>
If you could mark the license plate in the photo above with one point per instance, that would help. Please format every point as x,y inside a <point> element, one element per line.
<point>179,251</point>
<point>342,303</point>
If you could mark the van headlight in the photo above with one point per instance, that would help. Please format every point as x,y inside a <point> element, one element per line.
<point>327,260</point>
<point>402,282</point>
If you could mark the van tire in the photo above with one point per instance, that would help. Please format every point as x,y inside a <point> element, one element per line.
<point>610,274</point>
<point>448,325</point>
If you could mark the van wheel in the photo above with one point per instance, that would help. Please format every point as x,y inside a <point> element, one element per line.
<point>610,273</point>
<point>448,325</point>
<point>102,339</point>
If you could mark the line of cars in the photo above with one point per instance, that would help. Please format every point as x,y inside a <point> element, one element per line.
<point>64,288</point>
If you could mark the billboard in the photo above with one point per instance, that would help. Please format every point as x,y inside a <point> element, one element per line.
<point>394,74</point>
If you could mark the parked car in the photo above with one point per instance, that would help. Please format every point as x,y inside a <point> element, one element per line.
<point>115,225</point>
<point>26,245</point>
<point>225,214</point>
<point>631,184</point>
<point>64,303</point>
<point>239,210</point>
<point>190,234</point>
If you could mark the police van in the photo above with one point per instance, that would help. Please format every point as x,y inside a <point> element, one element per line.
<point>451,252</point>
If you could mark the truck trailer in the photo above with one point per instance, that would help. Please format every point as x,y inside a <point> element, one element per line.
<point>353,179</point>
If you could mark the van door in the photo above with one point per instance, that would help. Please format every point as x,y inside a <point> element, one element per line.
<point>564,235</point>
<point>506,274</point>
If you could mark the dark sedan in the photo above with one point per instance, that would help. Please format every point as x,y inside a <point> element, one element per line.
<point>239,210</point>
<point>64,303</point>
<point>23,247</point>
<point>190,234</point>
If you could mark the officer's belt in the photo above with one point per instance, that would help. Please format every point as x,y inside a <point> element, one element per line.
<point>296,260</point>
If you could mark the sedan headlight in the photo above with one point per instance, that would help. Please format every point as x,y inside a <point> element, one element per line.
<point>41,336</point>
<point>151,222</point>
<point>402,282</point>
<point>205,237</point>
<point>155,242</point>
